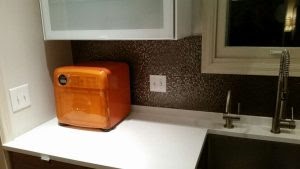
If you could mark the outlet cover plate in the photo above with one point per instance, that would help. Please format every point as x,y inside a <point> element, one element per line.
<point>19,97</point>
<point>158,83</point>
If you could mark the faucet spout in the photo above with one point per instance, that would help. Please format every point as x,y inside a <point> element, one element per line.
<point>228,103</point>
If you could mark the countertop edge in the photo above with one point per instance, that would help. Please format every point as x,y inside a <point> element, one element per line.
<point>209,121</point>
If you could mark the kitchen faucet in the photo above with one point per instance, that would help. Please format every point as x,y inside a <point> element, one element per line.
<point>228,116</point>
<point>279,120</point>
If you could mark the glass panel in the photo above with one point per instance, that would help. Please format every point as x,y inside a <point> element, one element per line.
<point>105,14</point>
<point>263,23</point>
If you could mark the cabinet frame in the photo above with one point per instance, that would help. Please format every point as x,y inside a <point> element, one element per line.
<point>167,32</point>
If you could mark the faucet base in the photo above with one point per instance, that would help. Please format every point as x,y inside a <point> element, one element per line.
<point>275,131</point>
<point>228,124</point>
<point>228,120</point>
<point>282,123</point>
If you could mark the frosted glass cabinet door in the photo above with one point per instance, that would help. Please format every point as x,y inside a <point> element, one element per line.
<point>108,19</point>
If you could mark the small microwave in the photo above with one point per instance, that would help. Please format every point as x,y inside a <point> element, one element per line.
<point>93,95</point>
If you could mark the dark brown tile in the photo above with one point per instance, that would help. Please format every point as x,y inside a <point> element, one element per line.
<point>187,87</point>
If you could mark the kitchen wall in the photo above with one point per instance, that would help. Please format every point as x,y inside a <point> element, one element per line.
<point>26,58</point>
<point>187,87</point>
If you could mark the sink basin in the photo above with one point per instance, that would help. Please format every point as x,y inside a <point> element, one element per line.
<point>225,152</point>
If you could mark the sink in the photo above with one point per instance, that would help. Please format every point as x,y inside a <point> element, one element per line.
<point>226,152</point>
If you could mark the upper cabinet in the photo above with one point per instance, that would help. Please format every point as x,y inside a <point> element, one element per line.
<point>116,19</point>
<point>247,36</point>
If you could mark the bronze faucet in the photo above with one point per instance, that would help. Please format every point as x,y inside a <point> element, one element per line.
<point>282,97</point>
<point>228,116</point>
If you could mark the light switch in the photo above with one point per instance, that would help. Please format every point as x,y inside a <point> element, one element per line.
<point>19,97</point>
<point>158,83</point>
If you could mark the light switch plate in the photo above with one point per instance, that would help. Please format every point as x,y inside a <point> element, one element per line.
<point>19,97</point>
<point>158,83</point>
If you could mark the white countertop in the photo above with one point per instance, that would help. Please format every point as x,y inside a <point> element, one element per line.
<point>135,143</point>
<point>149,138</point>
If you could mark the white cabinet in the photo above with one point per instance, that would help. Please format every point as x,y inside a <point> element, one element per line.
<point>116,19</point>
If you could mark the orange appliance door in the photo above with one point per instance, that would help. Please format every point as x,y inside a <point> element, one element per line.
<point>82,100</point>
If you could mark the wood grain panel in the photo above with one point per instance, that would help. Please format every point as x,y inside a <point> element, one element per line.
<point>22,161</point>
<point>2,157</point>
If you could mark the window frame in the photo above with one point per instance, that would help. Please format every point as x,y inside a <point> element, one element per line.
<point>220,59</point>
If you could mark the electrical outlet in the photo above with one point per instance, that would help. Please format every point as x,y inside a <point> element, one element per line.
<point>158,83</point>
<point>19,97</point>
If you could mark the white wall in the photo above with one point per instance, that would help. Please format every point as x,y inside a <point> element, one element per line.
<point>196,22</point>
<point>25,58</point>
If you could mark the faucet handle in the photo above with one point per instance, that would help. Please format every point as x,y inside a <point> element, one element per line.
<point>292,113</point>
<point>238,108</point>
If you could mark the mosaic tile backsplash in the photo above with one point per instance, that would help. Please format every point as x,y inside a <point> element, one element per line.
<point>187,87</point>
